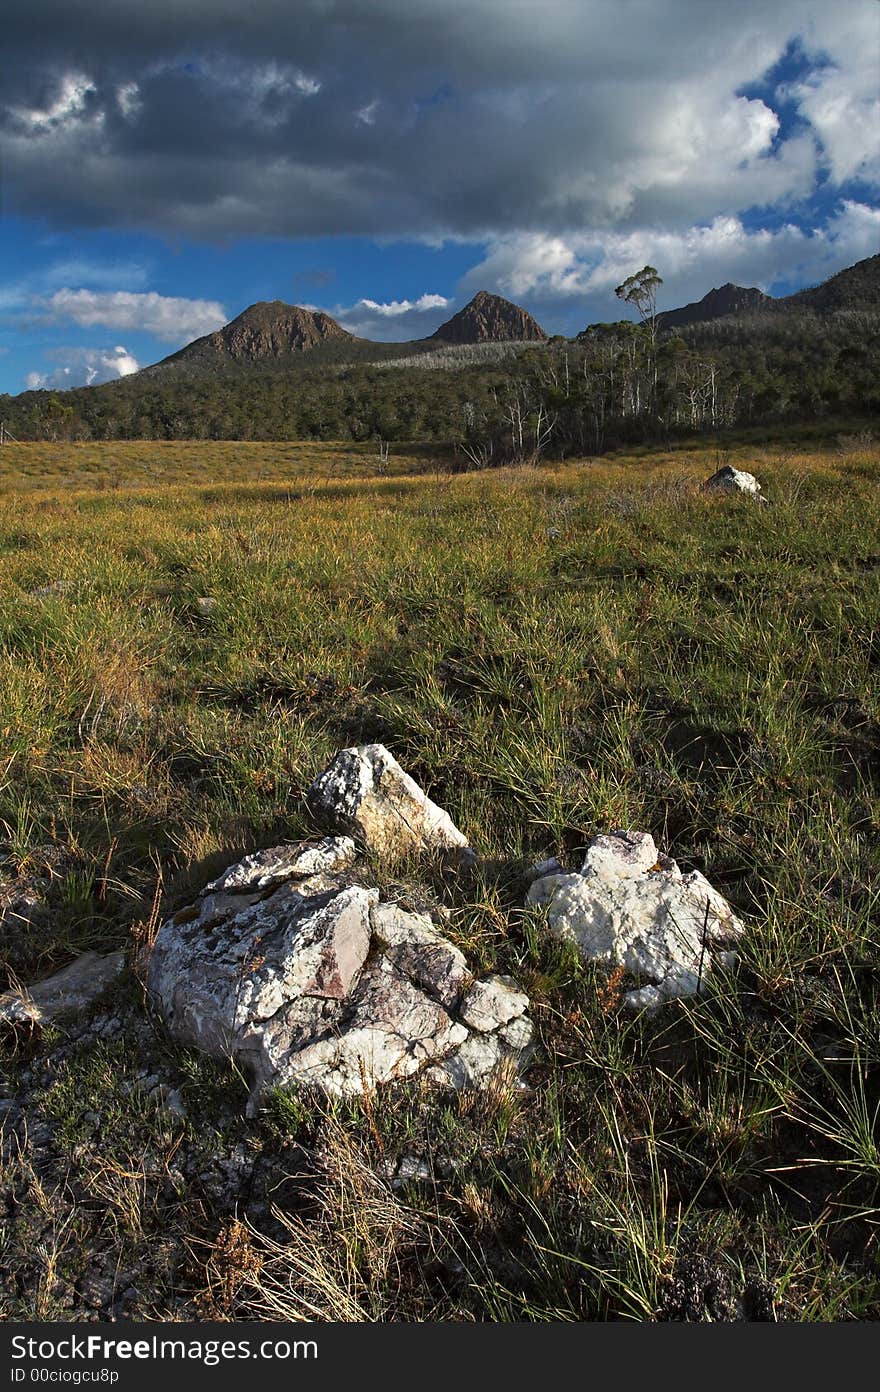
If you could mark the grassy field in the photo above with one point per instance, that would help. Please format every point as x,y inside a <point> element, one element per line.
<point>550,652</point>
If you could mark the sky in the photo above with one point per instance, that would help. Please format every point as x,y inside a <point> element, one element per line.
<point>164,165</point>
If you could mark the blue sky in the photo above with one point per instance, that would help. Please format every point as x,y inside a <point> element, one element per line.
<point>384,159</point>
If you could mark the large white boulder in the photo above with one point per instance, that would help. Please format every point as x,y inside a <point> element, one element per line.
<point>315,981</point>
<point>633,909</point>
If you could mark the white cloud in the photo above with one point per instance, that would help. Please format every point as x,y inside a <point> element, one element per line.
<point>563,120</point>
<point>173,319</point>
<point>128,97</point>
<point>391,309</point>
<point>265,95</point>
<point>846,121</point>
<point>68,104</point>
<point>568,118</point>
<point>394,321</point>
<point>309,86</point>
<point>531,263</point>
<point>841,98</point>
<point>83,367</point>
<point>561,273</point>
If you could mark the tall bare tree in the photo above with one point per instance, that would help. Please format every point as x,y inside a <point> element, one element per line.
<point>641,290</point>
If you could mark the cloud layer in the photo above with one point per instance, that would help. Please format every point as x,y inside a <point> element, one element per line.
<point>394,320</point>
<point>170,318</point>
<point>566,142</point>
<point>429,117</point>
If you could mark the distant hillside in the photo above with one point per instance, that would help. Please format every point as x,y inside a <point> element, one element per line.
<point>729,299</point>
<point>272,337</point>
<point>264,334</point>
<point>282,372</point>
<point>856,287</point>
<point>490,319</point>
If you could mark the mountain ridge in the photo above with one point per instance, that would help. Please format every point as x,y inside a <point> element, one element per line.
<point>489,318</point>
<point>273,335</point>
<point>725,299</point>
<point>855,287</point>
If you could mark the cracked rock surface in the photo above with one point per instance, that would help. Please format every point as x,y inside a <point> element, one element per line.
<point>631,908</point>
<point>303,976</point>
<point>365,792</point>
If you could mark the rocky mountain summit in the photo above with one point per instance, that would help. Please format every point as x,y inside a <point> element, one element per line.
<point>263,333</point>
<point>490,319</point>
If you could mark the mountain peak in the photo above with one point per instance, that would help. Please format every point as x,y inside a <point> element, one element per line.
<point>263,333</point>
<point>855,287</point>
<point>726,299</point>
<point>489,318</point>
<point>271,329</point>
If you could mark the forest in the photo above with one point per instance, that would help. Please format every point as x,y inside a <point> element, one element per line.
<point>616,384</point>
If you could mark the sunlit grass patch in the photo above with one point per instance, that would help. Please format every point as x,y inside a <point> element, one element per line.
<point>189,632</point>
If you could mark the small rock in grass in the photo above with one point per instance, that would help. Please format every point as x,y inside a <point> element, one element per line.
<point>365,792</point>
<point>551,866</point>
<point>732,480</point>
<point>171,1101</point>
<point>70,991</point>
<point>409,1169</point>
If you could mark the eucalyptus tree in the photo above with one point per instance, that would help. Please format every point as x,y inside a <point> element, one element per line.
<point>640,290</point>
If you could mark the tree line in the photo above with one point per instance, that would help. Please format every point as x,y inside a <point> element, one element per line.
<point>615,384</point>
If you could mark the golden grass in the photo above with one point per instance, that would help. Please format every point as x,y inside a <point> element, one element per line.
<point>550,651</point>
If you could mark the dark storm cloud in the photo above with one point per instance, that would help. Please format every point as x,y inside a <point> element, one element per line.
<point>420,117</point>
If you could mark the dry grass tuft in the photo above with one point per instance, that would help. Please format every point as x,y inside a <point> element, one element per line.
<point>355,1258</point>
